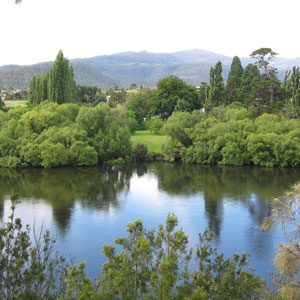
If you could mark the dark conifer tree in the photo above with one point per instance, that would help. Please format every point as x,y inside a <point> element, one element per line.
<point>234,80</point>
<point>236,68</point>
<point>249,80</point>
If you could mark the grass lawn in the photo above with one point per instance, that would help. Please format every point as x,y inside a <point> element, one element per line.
<point>15,103</point>
<point>152,141</point>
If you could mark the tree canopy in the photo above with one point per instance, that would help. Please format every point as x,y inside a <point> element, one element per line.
<point>173,93</point>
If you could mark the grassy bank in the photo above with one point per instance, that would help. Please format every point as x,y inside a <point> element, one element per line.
<point>153,142</point>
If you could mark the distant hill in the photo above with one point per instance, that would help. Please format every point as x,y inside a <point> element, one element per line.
<point>84,74</point>
<point>143,68</point>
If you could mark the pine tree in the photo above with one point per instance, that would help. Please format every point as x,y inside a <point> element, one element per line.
<point>249,80</point>
<point>236,68</point>
<point>264,57</point>
<point>234,80</point>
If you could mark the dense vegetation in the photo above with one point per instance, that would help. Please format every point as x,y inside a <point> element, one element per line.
<point>231,136</point>
<point>51,135</point>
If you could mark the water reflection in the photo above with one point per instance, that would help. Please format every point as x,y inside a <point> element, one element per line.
<point>98,188</point>
<point>91,206</point>
<point>246,184</point>
<point>95,188</point>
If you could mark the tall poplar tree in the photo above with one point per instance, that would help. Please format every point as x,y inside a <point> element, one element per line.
<point>61,81</point>
<point>44,87</point>
<point>291,85</point>
<point>234,80</point>
<point>34,90</point>
<point>2,105</point>
<point>215,92</point>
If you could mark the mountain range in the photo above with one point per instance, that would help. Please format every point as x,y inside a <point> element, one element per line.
<point>142,68</point>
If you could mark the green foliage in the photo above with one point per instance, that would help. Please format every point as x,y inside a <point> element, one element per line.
<point>170,91</point>
<point>116,96</point>
<point>231,136</point>
<point>155,265</point>
<point>29,270</point>
<point>178,124</point>
<point>285,212</point>
<point>249,79</point>
<point>234,80</point>
<point>140,152</point>
<point>139,103</point>
<point>132,122</point>
<point>61,82</point>
<point>58,85</point>
<point>291,86</point>
<point>113,143</point>
<point>154,125</point>
<point>53,155</point>
<point>151,264</point>
<point>236,68</point>
<point>2,105</point>
<point>52,135</point>
<point>220,278</point>
<point>215,91</point>
<point>264,57</point>
<point>90,94</point>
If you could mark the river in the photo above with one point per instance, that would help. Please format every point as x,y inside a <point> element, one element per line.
<point>88,207</point>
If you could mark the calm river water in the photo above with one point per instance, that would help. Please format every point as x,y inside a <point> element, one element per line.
<point>89,207</point>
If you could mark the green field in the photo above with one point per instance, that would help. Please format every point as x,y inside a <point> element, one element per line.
<point>152,141</point>
<point>15,103</point>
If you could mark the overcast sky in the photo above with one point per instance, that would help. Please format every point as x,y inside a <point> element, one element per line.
<point>35,30</point>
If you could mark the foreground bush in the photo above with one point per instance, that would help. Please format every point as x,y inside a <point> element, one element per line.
<point>151,265</point>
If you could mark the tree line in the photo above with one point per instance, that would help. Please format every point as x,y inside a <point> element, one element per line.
<point>256,87</point>
<point>250,120</point>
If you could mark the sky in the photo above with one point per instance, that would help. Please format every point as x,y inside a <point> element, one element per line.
<point>37,29</point>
